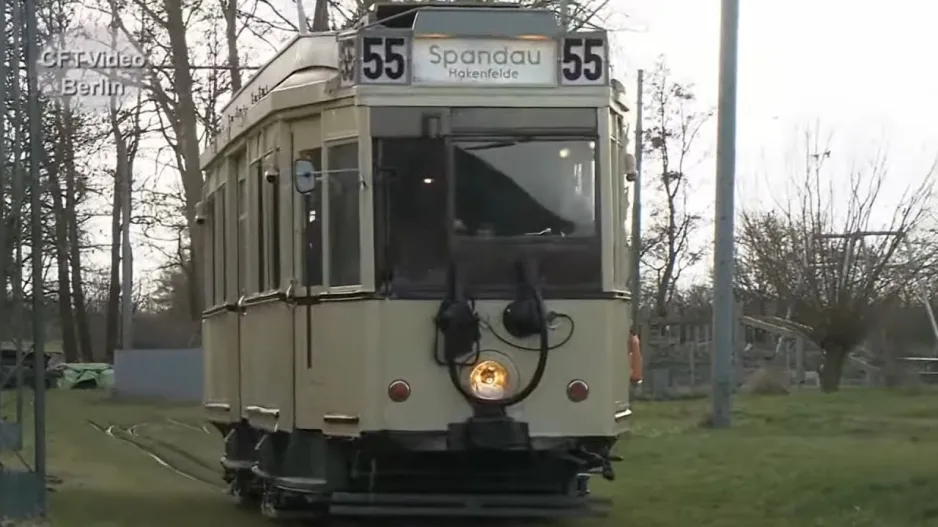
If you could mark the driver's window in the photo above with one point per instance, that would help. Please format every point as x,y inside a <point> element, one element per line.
<point>312,223</point>
<point>344,187</point>
<point>415,191</point>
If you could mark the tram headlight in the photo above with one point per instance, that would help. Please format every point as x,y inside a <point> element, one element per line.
<point>489,380</point>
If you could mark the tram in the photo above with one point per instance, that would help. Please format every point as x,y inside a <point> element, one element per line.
<point>415,236</point>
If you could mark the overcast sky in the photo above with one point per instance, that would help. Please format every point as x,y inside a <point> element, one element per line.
<point>862,68</point>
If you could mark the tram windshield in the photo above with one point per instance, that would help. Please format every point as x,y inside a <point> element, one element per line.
<point>508,188</point>
<point>486,197</point>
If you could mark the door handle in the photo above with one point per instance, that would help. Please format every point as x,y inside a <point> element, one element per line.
<point>240,305</point>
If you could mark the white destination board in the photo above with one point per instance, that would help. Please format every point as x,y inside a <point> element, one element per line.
<point>489,62</point>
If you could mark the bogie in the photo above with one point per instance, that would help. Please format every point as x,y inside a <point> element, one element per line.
<point>304,475</point>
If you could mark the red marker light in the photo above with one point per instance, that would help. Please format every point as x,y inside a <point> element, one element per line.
<point>577,391</point>
<point>399,391</point>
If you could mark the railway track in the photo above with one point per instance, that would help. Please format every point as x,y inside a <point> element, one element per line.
<point>158,450</point>
<point>168,455</point>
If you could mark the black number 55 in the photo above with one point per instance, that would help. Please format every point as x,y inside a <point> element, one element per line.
<point>583,59</point>
<point>383,58</point>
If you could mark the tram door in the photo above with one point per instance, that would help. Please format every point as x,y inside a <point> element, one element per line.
<point>241,274</point>
<point>306,144</point>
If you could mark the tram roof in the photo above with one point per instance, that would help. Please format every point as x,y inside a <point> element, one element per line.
<point>312,61</point>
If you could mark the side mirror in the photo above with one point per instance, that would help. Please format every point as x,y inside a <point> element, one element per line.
<point>631,171</point>
<point>200,213</point>
<point>304,176</point>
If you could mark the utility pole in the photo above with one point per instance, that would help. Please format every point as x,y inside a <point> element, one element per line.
<point>724,320</point>
<point>4,73</point>
<point>17,202</point>
<point>637,202</point>
<point>38,304</point>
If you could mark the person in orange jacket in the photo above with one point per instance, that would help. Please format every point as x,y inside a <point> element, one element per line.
<point>635,358</point>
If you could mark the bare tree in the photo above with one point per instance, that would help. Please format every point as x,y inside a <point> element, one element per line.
<point>674,120</point>
<point>230,12</point>
<point>839,286</point>
<point>126,132</point>
<point>173,90</point>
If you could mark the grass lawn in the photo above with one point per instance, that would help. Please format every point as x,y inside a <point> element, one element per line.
<point>857,458</point>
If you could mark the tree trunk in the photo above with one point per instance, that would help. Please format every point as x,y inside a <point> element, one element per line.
<point>74,242</point>
<point>114,284</point>
<point>320,16</point>
<point>230,9</point>
<point>64,296</point>
<point>188,142</point>
<point>122,168</point>
<point>832,369</point>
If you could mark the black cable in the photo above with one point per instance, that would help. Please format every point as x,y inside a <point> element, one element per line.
<point>459,322</point>
<point>542,353</point>
<point>553,314</point>
<point>477,348</point>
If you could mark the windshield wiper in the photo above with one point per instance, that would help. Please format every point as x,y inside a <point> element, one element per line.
<point>499,144</point>
<point>544,232</point>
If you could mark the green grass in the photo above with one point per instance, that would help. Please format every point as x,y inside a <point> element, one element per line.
<point>857,458</point>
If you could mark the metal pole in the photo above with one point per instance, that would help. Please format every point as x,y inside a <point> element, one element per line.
<point>17,200</point>
<point>723,264</point>
<point>35,154</point>
<point>637,202</point>
<point>4,72</point>
<point>4,247</point>
<point>564,15</point>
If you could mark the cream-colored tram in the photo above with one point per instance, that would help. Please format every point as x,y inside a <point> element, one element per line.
<point>415,236</point>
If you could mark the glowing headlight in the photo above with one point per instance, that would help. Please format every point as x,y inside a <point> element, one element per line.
<point>489,380</point>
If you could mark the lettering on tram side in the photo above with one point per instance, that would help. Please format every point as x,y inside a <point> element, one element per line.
<point>347,60</point>
<point>480,61</point>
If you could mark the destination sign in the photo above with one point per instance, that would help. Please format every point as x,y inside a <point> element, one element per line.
<point>484,61</point>
<point>396,57</point>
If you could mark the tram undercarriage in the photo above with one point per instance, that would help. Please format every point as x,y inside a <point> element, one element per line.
<point>306,475</point>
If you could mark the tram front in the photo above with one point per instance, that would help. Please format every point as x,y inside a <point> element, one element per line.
<point>500,198</point>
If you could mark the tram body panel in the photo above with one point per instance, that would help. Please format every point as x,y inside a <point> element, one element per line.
<point>620,363</point>
<point>222,387</point>
<point>267,365</point>
<point>406,353</point>
<point>333,389</point>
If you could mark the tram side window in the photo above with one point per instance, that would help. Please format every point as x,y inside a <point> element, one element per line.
<point>210,256</point>
<point>344,194</point>
<point>268,237</point>
<point>273,232</point>
<point>257,169</point>
<point>242,237</point>
<point>313,227</point>
<point>218,239</point>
